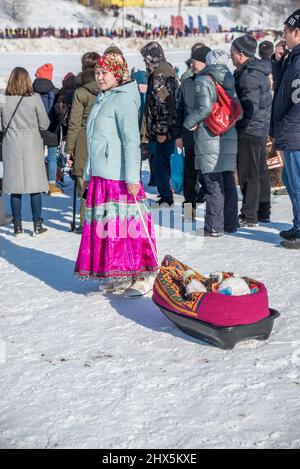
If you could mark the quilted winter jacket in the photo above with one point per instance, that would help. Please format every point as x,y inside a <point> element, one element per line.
<point>253,88</point>
<point>113,135</point>
<point>214,154</point>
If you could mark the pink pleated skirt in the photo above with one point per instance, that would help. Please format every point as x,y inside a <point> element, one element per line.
<point>115,247</point>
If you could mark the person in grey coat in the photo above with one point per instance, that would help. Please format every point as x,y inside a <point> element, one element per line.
<point>215,156</point>
<point>183,137</point>
<point>24,169</point>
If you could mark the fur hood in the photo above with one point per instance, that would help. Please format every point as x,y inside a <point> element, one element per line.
<point>85,77</point>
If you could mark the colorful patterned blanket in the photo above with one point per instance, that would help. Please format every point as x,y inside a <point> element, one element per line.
<point>213,308</point>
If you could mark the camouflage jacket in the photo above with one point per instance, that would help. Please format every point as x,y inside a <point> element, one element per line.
<point>163,86</point>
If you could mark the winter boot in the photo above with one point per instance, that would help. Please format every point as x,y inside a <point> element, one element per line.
<point>117,288</point>
<point>18,228</point>
<point>79,230</point>
<point>54,191</point>
<point>244,223</point>
<point>290,234</point>
<point>213,234</point>
<point>139,288</point>
<point>39,229</point>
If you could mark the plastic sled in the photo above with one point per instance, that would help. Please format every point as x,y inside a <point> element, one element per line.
<point>225,338</point>
<point>220,319</point>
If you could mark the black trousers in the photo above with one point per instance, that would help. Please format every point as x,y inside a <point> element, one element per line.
<point>253,177</point>
<point>222,202</point>
<point>191,176</point>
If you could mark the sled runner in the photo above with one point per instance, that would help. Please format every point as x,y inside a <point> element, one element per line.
<point>225,338</point>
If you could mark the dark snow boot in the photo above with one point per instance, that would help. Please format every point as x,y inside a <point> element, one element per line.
<point>38,228</point>
<point>18,228</point>
<point>289,234</point>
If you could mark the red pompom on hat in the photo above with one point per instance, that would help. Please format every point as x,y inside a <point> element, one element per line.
<point>45,71</point>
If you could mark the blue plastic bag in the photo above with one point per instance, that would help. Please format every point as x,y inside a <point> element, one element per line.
<point>177,170</point>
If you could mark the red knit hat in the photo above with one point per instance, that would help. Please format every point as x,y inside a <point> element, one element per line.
<point>45,71</point>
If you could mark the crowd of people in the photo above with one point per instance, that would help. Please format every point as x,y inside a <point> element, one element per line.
<point>148,32</point>
<point>107,119</point>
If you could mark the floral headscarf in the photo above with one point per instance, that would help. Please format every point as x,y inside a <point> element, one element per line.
<point>117,65</point>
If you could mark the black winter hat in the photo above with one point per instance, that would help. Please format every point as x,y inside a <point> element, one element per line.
<point>200,54</point>
<point>246,44</point>
<point>294,20</point>
<point>266,49</point>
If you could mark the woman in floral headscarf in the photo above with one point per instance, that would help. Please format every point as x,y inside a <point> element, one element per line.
<point>115,249</point>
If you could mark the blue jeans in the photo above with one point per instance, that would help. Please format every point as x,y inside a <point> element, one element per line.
<point>291,179</point>
<point>52,163</point>
<point>163,152</point>
<point>36,206</point>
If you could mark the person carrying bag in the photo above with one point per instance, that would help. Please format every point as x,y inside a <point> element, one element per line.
<point>22,116</point>
<point>2,135</point>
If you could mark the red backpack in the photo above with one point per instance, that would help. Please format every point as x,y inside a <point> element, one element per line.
<point>225,113</point>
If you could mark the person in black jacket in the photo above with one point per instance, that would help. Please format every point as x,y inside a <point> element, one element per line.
<point>63,102</point>
<point>44,87</point>
<point>265,52</point>
<point>278,59</point>
<point>254,92</point>
<point>285,124</point>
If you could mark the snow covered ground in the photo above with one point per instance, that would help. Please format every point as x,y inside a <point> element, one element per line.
<point>83,370</point>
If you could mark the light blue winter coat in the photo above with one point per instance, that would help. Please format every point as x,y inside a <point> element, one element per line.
<point>113,135</point>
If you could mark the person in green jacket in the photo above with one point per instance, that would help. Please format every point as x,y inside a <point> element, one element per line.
<point>76,143</point>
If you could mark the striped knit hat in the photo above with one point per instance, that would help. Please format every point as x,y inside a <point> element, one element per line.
<point>246,44</point>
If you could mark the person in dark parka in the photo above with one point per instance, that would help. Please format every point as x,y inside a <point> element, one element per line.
<point>63,102</point>
<point>76,142</point>
<point>254,92</point>
<point>285,124</point>
<point>278,59</point>
<point>266,51</point>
